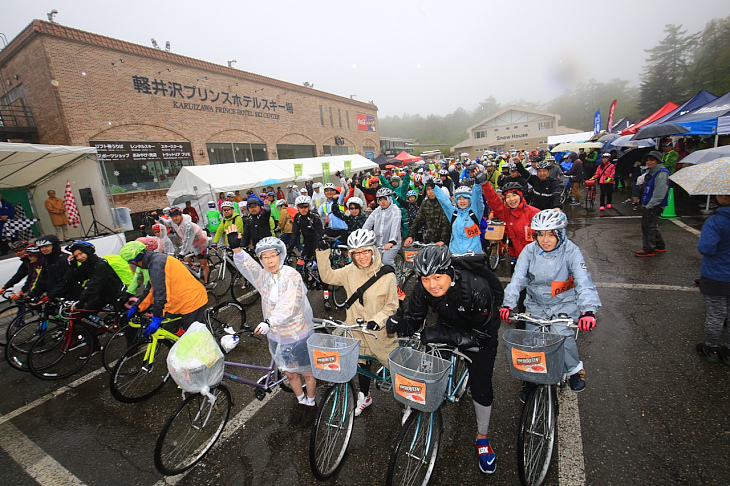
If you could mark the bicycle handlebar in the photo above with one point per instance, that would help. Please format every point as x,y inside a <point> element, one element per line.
<point>347,327</point>
<point>568,321</point>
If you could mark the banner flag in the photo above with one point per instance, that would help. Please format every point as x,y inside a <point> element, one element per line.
<point>70,204</point>
<point>325,172</point>
<point>609,125</point>
<point>597,121</point>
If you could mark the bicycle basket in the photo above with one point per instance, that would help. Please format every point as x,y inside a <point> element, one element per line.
<point>590,183</point>
<point>333,358</point>
<point>535,356</point>
<point>419,379</point>
<point>494,232</point>
<point>409,255</point>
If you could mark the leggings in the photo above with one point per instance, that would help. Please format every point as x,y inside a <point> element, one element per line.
<point>718,312</point>
<point>606,193</point>
<point>480,373</point>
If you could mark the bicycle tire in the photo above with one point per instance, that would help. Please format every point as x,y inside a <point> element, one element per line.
<point>134,379</point>
<point>8,317</point>
<point>118,344</point>
<point>536,438</point>
<point>242,290</point>
<point>400,269</point>
<point>221,280</point>
<point>191,431</point>
<point>493,255</point>
<point>460,370</point>
<point>51,359</point>
<point>414,456</point>
<point>339,295</point>
<point>228,314</point>
<point>332,430</point>
<point>21,320</point>
<point>19,344</point>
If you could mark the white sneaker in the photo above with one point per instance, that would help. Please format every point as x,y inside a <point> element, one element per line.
<point>363,402</point>
<point>406,414</point>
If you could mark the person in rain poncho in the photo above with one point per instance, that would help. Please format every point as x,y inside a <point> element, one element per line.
<point>287,316</point>
<point>385,223</point>
<point>194,241</point>
<point>164,243</point>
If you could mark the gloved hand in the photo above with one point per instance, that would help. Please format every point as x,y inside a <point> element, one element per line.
<point>373,326</point>
<point>132,311</point>
<point>322,245</point>
<point>393,324</point>
<point>481,178</point>
<point>234,240</point>
<point>504,313</point>
<point>16,296</point>
<point>262,328</point>
<point>153,327</point>
<point>587,321</point>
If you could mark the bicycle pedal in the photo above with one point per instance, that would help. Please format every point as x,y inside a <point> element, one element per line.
<point>386,386</point>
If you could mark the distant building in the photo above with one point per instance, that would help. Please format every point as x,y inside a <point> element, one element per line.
<point>513,128</point>
<point>392,146</point>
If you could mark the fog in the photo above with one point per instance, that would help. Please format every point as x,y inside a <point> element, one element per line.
<point>407,56</point>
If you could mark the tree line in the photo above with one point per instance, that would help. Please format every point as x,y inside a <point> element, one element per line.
<point>676,69</point>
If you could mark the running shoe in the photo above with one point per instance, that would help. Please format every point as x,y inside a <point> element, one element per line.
<point>608,206</point>
<point>576,382</point>
<point>363,402</point>
<point>645,253</point>
<point>487,459</point>
<point>709,354</point>
<point>602,208</point>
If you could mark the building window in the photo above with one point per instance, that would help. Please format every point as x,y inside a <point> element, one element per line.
<point>228,153</point>
<point>347,116</point>
<point>527,143</point>
<point>332,121</point>
<point>512,146</point>
<point>339,116</point>
<point>545,125</point>
<point>525,126</point>
<point>143,175</point>
<point>506,128</point>
<point>338,150</point>
<point>321,115</point>
<point>286,151</point>
<point>516,127</point>
<point>496,129</point>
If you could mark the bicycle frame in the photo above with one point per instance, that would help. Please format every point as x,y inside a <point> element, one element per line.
<point>268,382</point>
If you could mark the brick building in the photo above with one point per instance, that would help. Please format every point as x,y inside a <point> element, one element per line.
<point>149,111</point>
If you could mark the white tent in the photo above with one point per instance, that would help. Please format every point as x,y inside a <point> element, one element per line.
<point>206,181</point>
<point>36,169</point>
<point>570,137</point>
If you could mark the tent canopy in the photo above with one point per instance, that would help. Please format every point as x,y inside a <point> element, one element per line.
<point>406,157</point>
<point>664,110</point>
<point>704,119</point>
<point>249,175</point>
<point>25,165</point>
<point>569,137</point>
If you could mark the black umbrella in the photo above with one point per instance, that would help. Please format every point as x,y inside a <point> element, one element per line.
<point>663,130</point>
<point>626,161</point>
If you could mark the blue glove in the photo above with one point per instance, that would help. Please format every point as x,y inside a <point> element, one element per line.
<point>132,311</point>
<point>153,327</point>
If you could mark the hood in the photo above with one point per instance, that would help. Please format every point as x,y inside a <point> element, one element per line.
<point>723,211</point>
<point>377,262</point>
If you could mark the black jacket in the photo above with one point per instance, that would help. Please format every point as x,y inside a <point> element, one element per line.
<point>309,226</point>
<point>98,281</point>
<point>545,194</point>
<point>256,228</point>
<point>52,279</point>
<point>20,275</point>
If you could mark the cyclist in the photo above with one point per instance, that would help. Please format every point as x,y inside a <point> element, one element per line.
<point>465,303</point>
<point>318,197</point>
<point>545,190</point>
<point>399,198</point>
<point>492,174</point>
<point>371,191</point>
<point>52,278</point>
<point>229,218</point>
<point>194,241</point>
<point>376,301</point>
<point>172,288</point>
<point>259,224</point>
<point>385,221</point>
<point>336,227</point>
<point>287,316</point>
<point>356,217</point>
<point>24,270</point>
<point>431,219</point>
<point>231,197</point>
<point>465,218</point>
<point>553,271</point>
<point>306,225</point>
<point>164,243</point>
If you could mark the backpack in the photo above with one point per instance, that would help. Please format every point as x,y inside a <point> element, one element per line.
<point>471,215</point>
<point>470,265</point>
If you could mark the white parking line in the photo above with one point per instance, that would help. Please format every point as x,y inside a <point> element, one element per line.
<point>695,232</point>
<point>571,467</point>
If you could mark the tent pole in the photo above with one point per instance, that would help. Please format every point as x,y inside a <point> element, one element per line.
<point>717,139</point>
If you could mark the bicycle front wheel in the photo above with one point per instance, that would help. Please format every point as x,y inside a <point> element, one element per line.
<point>414,456</point>
<point>537,435</point>
<point>227,315</point>
<point>56,355</point>
<point>136,377</point>
<point>9,322</point>
<point>19,344</point>
<point>461,378</point>
<point>191,431</point>
<point>339,295</point>
<point>493,255</point>
<point>243,291</point>
<point>118,344</point>
<point>331,430</point>
<point>220,278</point>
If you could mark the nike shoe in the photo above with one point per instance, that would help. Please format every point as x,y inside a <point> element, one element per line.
<point>487,459</point>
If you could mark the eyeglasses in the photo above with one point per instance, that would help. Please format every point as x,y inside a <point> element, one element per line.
<point>358,254</point>
<point>227,209</point>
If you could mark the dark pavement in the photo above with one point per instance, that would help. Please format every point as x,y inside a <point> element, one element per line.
<point>652,413</point>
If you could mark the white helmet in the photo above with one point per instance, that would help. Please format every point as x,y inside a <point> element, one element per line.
<point>443,172</point>
<point>551,219</point>
<point>294,186</point>
<point>462,191</point>
<point>464,154</point>
<point>355,200</point>
<point>227,204</point>
<point>316,185</point>
<point>383,192</point>
<point>361,237</point>
<point>166,211</point>
<point>230,194</point>
<point>303,201</point>
<point>281,203</point>
<point>329,185</point>
<point>272,243</point>
<point>303,190</point>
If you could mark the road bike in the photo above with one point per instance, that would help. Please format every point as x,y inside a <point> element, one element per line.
<point>27,328</point>
<point>537,357</point>
<point>195,426</point>
<point>590,194</point>
<point>309,271</point>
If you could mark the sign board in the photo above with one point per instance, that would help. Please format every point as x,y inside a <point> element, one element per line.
<point>366,122</point>
<point>114,151</point>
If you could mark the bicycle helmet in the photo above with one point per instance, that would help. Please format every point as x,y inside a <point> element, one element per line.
<point>512,186</point>
<point>316,185</point>
<point>433,259</point>
<point>543,164</point>
<point>535,158</point>
<point>356,201</point>
<point>230,194</point>
<point>549,157</point>
<point>175,212</point>
<point>281,203</point>
<point>150,243</point>
<point>303,201</point>
<point>411,193</point>
<point>228,204</point>
<point>47,240</point>
<point>360,238</point>
<point>467,181</point>
<point>329,186</point>
<point>20,245</point>
<point>270,193</point>
<point>512,167</point>
<point>156,227</point>
<point>272,243</point>
<point>606,154</point>
<point>383,192</point>
<point>438,182</point>
<point>489,164</point>
<point>374,180</point>
<point>33,250</point>
<point>551,219</point>
<point>83,246</point>
<point>253,201</point>
<point>417,178</point>
<point>462,191</point>
<point>166,210</point>
<point>471,164</point>
<point>395,178</point>
<point>443,172</point>
<point>132,251</point>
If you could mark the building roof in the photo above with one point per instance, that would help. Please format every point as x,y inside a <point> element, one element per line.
<point>515,108</point>
<point>39,27</point>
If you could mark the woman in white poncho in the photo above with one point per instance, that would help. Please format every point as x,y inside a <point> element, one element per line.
<point>287,316</point>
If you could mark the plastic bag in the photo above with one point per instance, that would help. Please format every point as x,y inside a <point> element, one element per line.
<point>195,361</point>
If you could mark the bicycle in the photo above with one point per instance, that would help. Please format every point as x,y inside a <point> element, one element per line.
<point>590,194</point>
<point>226,279</point>
<point>537,357</point>
<point>134,380</point>
<point>308,269</point>
<point>195,426</point>
<point>498,245</point>
<point>9,314</point>
<point>33,323</point>
<point>423,381</point>
<point>565,193</point>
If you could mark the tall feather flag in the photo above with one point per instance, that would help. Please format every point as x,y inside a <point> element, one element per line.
<point>70,204</point>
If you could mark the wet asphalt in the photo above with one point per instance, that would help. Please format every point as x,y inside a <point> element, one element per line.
<point>653,411</point>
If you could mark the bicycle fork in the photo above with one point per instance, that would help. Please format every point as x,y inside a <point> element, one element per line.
<point>417,434</point>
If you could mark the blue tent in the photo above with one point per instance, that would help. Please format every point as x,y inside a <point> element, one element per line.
<point>697,101</point>
<point>703,120</point>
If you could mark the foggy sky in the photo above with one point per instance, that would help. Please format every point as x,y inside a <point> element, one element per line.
<point>408,56</point>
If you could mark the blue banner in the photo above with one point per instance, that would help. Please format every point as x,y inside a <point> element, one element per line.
<point>597,121</point>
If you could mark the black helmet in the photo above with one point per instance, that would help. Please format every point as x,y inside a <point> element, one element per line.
<point>433,259</point>
<point>512,186</point>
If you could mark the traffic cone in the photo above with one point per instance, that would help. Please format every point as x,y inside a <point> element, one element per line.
<point>669,212</point>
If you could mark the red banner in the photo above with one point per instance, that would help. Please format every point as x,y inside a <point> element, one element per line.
<point>609,126</point>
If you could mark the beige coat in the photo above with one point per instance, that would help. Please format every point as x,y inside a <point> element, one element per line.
<point>379,302</point>
<point>55,208</point>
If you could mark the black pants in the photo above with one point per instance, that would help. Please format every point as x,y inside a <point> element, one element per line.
<point>480,372</point>
<point>339,234</point>
<point>651,237</point>
<point>606,193</point>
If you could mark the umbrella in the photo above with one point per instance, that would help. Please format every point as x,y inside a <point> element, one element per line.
<point>574,146</point>
<point>303,178</point>
<point>183,199</point>
<point>663,130</point>
<point>626,161</point>
<point>390,166</point>
<point>707,155</point>
<point>628,141</point>
<point>710,178</point>
<point>270,182</point>
<point>607,137</point>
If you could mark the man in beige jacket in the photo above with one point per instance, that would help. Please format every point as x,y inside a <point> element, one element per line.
<point>55,208</point>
